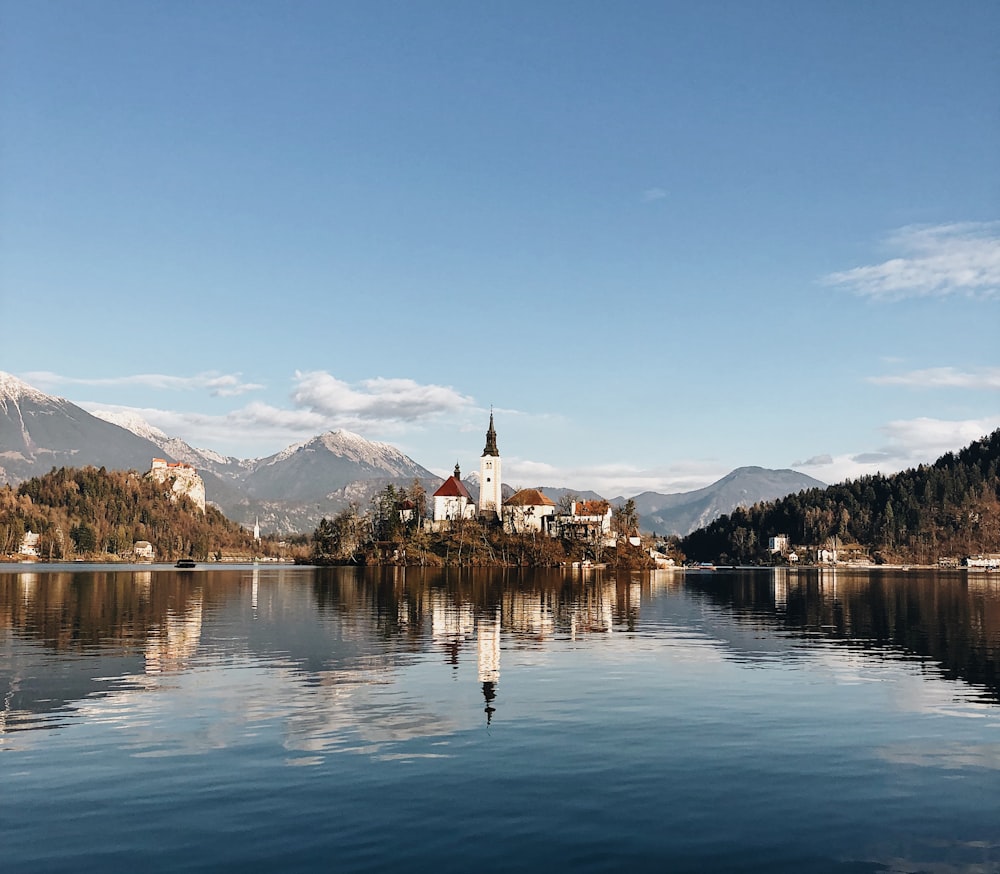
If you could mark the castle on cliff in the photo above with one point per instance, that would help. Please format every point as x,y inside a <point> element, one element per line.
<point>184,477</point>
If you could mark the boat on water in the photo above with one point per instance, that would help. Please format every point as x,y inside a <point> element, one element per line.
<point>186,564</point>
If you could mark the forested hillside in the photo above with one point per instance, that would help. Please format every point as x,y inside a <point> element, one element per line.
<point>947,509</point>
<point>90,512</point>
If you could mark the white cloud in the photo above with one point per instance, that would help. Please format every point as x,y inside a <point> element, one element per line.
<point>613,479</point>
<point>377,400</point>
<point>815,461</point>
<point>909,442</point>
<point>944,377</point>
<point>651,194</point>
<point>923,437</point>
<point>254,430</point>
<point>377,408</point>
<point>934,261</point>
<point>219,384</point>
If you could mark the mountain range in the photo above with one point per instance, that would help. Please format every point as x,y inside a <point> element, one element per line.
<point>292,490</point>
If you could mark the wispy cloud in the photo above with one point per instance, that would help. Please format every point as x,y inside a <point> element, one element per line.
<point>377,408</point>
<point>613,479</point>
<point>907,443</point>
<point>924,438</point>
<point>651,194</point>
<point>944,377</point>
<point>255,429</point>
<point>933,261</point>
<point>218,384</point>
<point>377,400</point>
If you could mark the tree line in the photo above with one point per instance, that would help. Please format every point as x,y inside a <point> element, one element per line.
<point>950,508</point>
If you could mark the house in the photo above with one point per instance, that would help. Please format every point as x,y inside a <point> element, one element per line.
<point>778,543</point>
<point>452,501</point>
<point>586,520</point>
<point>527,510</point>
<point>29,544</point>
<point>143,549</point>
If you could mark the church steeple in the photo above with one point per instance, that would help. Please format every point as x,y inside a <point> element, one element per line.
<point>490,494</point>
<point>491,440</point>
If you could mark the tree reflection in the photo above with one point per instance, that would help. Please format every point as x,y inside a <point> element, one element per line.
<point>951,619</point>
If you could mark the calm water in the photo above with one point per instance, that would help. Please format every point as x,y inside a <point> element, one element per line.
<point>292,719</point>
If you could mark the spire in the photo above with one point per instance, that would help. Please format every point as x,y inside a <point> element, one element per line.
<point>458,473</point>
<point>491,439</point>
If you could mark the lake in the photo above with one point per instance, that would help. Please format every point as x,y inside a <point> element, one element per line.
<point>275,718</point>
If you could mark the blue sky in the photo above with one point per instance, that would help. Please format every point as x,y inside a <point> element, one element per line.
<point>663,240</point>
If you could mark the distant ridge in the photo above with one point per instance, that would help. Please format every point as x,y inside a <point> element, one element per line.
<point>684,512</point>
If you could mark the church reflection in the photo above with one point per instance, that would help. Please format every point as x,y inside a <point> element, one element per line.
<point>488,652</point>
<point>463,611</point>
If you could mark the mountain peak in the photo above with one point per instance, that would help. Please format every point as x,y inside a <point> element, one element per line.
<point>131,422</point>
<point>14,389</point>
<point>341,440</point>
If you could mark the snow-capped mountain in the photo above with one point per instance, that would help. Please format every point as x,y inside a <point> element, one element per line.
<point>174,447</point>
<point>321,466</point>
<point>289,491</point>
<point>39,432</point>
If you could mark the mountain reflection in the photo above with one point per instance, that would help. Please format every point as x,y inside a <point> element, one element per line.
<point>66,637</point>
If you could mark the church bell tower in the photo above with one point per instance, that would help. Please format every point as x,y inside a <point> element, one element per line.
<point>490,496</point>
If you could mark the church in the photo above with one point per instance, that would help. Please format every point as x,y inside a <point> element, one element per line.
<point>452,500</point>
<point>525,512</point>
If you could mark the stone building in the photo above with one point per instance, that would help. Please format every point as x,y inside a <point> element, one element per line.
<point>185,480</point>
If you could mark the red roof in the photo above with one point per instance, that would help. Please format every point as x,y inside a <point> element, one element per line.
<point>592,508</point>
<point>453,488</point>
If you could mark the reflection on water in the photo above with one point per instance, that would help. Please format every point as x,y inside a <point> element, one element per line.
<point>594,698</point>
<point>153,621</point>
<point>950,619</point>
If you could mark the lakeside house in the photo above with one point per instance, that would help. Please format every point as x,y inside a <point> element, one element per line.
<point>29,544</point>
<point>778,543</point>
<point>586,520</point>
<point>527,510</point>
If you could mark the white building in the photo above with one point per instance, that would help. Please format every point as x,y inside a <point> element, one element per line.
<point>778,543</point>
<point>527,510</point>
<point>586,520</point>
<point>29,544</point>
<point>452,501</point>
<point>184,479</point>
